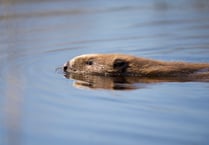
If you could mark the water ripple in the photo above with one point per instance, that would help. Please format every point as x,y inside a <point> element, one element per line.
<point>40,106</point>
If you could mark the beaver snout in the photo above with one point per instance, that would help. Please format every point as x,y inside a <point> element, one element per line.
<point>65,66</point>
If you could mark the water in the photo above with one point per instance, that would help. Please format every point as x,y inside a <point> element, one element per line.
<point>40,106</point>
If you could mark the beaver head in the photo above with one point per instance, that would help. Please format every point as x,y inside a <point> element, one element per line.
<point>100,64</point>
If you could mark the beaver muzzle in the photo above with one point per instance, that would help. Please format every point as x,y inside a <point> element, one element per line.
<point>65,66</point>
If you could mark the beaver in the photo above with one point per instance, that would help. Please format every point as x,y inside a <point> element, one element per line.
<point>128,65</point>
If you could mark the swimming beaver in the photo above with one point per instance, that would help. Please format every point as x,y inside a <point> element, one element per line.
<point>128,65</point>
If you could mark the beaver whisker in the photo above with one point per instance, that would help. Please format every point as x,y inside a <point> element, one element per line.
<point>59,69</point>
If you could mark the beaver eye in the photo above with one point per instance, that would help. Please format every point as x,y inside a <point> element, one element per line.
<point>89,62</point>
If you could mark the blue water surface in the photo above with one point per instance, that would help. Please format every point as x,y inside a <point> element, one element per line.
<point>39,106</point>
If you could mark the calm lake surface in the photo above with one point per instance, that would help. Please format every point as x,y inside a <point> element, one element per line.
<point>39,106</point>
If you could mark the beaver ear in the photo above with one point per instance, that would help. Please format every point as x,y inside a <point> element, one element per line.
<point>120,64</point>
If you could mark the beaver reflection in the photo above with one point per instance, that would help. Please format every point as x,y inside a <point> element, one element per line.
<point>116,83</point>
<point>100,82</point>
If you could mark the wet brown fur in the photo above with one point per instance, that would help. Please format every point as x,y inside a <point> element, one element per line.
<point>127,65</point>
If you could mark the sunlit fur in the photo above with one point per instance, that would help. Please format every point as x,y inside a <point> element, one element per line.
<point>104,64</point>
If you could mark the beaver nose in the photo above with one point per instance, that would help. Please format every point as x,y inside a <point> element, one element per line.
<point>65,66</point>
